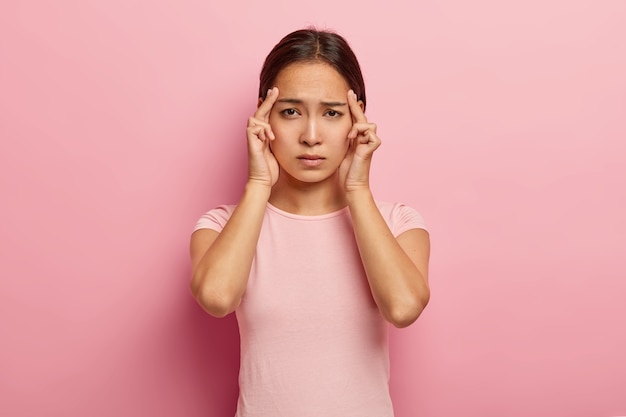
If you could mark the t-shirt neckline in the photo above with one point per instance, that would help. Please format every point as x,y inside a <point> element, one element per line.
<point>284,213</point>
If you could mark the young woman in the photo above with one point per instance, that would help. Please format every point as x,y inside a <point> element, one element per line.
<point>311,263</point>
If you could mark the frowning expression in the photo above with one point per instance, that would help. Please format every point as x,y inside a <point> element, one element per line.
<point>311,121</point>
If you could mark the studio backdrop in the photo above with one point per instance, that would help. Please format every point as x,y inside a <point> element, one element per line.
<point>503,124</point>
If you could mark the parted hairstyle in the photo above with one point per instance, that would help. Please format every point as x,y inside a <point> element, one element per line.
<point>312,45</point>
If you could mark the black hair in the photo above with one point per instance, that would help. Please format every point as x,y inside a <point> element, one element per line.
<point>312,45</point>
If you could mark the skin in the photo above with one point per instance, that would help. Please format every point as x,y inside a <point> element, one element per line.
<point>310,148</point>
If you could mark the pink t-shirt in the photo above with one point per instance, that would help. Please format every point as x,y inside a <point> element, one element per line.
<point>313,342</point>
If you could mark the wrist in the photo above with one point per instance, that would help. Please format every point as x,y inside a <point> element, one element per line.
<point>258,189</point>
<point>358,196</point>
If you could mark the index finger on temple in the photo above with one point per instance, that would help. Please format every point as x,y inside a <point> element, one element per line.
<point>263,111</point>
<point>355,108</point>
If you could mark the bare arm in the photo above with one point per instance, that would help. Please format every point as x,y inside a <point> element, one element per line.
<point>221,261</point>
<point>397,269</point>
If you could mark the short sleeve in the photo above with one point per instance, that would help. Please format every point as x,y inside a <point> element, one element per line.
<point>215,219</point>
<point>401,218</point>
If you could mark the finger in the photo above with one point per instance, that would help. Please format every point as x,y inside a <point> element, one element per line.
<point>260,129</point>
<point>269,132</point>
<point>355,108</point>
<point>354,132</point>
<point>363,129</point>
<point>353,144</point>
<point>263,111</point>
<point>372,140</point>
<point>347,159</point>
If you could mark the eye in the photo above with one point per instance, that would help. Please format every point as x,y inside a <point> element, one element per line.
<point>289,112</point>
<point>333,114</point>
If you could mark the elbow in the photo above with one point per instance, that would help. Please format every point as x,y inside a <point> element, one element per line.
<point>405,315</point>
<point>403,318</point>
<point>215,303</point>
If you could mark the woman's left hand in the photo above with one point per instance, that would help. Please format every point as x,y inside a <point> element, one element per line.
<point>354,169</point>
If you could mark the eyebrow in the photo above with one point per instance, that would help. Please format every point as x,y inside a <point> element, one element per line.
<point>298,101</point>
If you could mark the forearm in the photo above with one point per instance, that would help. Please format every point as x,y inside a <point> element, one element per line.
<point>221,276</point>
<point>398,287</point>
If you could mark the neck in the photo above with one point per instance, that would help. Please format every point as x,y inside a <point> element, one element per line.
<point>307,199</point>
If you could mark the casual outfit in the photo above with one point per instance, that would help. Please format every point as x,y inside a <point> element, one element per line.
<point>313,342</point>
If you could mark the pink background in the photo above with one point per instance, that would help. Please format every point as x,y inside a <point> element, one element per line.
<point>121,122</point>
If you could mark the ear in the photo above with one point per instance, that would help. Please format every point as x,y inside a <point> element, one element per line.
<point>362,105</point>
<point>258,104</point>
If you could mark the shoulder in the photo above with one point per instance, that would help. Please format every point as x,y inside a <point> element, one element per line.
<point>400,217</point>
<point>215,218</point>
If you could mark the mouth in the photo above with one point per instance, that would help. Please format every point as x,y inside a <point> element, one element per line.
<point>311,160</point>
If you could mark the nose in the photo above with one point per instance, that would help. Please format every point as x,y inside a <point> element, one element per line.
<point>310,135</point>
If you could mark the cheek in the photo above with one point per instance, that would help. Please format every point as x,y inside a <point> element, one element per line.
<point>279,138</point>
<point>283,138</point>
<point>343,135</point>
<point>284,129</point>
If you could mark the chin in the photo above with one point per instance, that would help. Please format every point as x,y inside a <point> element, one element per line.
<point>312,177</point>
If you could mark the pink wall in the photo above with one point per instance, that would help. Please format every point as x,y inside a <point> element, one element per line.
<point>504,124</point>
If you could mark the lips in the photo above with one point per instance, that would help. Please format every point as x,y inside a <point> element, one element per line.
<point>311,160</point>
<point>310,157</point>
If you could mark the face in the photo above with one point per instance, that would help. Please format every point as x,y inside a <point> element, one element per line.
<point>310,121</point>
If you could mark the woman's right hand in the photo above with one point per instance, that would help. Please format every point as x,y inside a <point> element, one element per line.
<point>262,165</point>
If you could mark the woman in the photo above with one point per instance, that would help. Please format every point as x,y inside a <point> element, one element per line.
<point>312,265</point>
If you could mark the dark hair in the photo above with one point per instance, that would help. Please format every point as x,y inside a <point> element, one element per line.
<point>312,45</point>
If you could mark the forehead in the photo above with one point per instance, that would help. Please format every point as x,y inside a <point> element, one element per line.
<point>311,78</point>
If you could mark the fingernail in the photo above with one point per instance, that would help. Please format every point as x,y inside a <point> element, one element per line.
<point>269,92</point>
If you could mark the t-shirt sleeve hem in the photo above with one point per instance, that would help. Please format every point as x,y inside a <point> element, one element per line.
<point>215,219</point>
